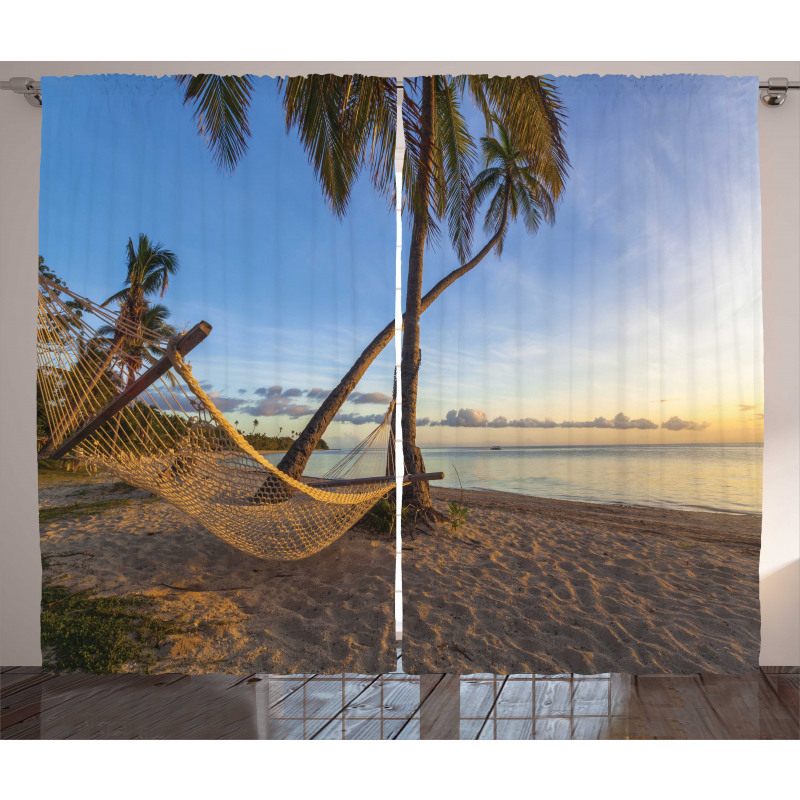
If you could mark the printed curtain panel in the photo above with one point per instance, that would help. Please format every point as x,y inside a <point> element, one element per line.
<point>206,279</point>
<point>592,386</point>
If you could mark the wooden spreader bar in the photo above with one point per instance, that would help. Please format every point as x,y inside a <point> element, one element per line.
<point>187,342</point>
<point>419,476</point>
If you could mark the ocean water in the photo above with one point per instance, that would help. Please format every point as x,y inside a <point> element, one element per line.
<point>696,477</point>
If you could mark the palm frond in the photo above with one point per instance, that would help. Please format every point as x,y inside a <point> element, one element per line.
<point>494,152</point>
<point>149,267</point>
<point>344,123</point>
<point>531,111</point>
<point>370,120</point>
<point>530,210</point>
<point>412,164</point>
<point>494,217</point>
<point>313,106</point>
<point>515,185</point>
<point>540,195</point>
<point>485,182</point>
<point>221,104</point>
<point>450,166</point>
<point>119,297</point>
<point>456,151</point>
<point>155,320</point>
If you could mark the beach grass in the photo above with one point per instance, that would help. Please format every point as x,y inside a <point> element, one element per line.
<point>80,509</point>
<point>55,473</point>
<point>85,632</point>
<point>114,488</point>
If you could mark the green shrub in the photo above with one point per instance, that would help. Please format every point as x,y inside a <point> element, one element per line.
<point>458,514</point>
<point>381,517</point>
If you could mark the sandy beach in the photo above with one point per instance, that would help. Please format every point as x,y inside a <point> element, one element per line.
<point>530,585</point>
<point>332,612</point>
<point>527,585</point>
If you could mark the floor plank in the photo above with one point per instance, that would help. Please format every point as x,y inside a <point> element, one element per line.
<point>708,707</point>
<point>59,706</point>
<point>410,731</point>
<point>553,698</point>
<point>755,705</point>
<point>440,713</point>
<point>515,698</point>
<point>497,728</point>
<point>387,698</point>
<point>14,681</point>
<point>477,696</point>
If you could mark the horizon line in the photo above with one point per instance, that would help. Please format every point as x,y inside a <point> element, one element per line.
<point>626,444</point>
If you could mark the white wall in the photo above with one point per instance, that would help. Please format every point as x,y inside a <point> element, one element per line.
<point>779,131</point>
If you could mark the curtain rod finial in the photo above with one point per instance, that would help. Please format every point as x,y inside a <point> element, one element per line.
<point>28,87</point>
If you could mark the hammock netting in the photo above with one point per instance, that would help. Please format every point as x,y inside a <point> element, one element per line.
<point>172,441</point>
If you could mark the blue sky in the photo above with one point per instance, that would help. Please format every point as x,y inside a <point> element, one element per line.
<point>642,300</point>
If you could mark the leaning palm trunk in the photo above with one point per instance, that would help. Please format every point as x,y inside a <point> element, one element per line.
<point>294,461</point>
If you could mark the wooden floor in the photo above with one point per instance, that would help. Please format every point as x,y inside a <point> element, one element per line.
<point>762,705</point>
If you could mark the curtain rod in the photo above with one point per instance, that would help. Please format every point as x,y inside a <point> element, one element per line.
<point>773,91</point>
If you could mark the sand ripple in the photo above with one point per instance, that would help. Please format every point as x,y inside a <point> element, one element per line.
<point>548,586</point>
<point>332,612</point>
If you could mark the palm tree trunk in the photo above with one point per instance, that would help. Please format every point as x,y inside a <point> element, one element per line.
<point>294,461</point>
<point>391,453</point>
<point>419,495</point>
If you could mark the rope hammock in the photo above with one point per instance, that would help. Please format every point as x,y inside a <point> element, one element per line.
<point>121,398</point>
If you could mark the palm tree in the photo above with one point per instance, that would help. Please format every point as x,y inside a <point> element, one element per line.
<point>149,267</point>
<point>347,124</point>
<point>514,186</point>
<point>520,105</point>
<point>148,270</point>
<point>136,351</point>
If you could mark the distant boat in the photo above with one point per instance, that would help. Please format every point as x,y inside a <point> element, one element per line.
<point>495,447</point>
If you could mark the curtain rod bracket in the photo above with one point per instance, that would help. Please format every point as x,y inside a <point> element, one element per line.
<point>774,93</point>
<point>29,88</point>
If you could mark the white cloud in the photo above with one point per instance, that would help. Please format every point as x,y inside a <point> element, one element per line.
<point>678,424</point>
